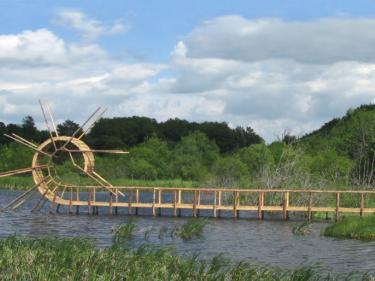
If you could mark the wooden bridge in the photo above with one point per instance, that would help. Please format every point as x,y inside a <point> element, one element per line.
<point>214,200</point>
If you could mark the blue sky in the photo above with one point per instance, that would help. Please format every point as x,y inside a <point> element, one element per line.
<point>156,26</point>
<point>273,65</point>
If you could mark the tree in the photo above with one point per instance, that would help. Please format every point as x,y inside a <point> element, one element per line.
<point>229,171</point>
<point>156,154</point>
<point>67,128</point>
<point>256,157</point>
<point>193,156</point>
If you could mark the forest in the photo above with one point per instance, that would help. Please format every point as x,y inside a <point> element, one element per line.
<point>338,155</point>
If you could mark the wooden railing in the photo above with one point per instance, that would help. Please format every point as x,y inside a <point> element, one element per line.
<point>216,200</point>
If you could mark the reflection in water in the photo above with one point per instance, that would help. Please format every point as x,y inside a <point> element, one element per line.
<point>270,242</point>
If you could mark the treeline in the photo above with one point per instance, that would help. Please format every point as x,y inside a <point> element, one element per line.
<point>127,132</point>
<point>341,153</point>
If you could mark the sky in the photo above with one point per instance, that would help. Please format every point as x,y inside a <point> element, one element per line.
<point>276,66</point>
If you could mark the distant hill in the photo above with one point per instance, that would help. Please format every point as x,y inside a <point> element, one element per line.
<point>346,135</point>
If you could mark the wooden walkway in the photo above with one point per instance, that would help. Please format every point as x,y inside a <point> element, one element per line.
<point>215,200</point>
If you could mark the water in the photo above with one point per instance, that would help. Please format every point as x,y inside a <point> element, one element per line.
<point>268,241</point>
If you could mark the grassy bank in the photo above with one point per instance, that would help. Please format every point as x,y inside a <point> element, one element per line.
<point>77,259</point>
<point>353,228</point>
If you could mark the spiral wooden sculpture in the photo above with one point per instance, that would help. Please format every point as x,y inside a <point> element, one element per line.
<point>43,166</point>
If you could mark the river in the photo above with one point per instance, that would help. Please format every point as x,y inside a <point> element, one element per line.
<point>269,241</point>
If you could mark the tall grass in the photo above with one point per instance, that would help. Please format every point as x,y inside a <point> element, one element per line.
<point>353,227</point>
<point>77,259</point>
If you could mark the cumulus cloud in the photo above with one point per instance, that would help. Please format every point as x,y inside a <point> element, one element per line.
<point>75,78</point>
<point>269,74</point>
<point>321,41</point>
<point>89,28</point>
<point>276,75</point>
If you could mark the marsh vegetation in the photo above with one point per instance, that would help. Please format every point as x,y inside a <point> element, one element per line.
<point>77,259</point>
<point>362,228</point>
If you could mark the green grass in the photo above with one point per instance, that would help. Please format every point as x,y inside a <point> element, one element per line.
<point>353,228</point>
<point>77,259</point>
<point>192,228</point>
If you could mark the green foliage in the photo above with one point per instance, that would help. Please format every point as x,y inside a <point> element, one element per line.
<point>229,170</point>
<point>68,128</point>
<point>15,156</point>
<point>331,166</point>
<point>77,259</point>
<point>353,227</point>
<point>193,156</point>
<point>153,156</point>
<point>257,158</point>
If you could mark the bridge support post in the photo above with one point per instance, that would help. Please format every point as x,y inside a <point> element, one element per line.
<point>309,213</point>
<point>286,205</point>
<point>260,205</point>
<point>136,201</point>
<point>337,206</point>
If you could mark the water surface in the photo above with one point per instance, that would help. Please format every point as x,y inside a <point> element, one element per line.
<point>268,241</point>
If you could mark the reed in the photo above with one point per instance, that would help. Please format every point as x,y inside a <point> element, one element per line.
<point>124,231</point>
<point>78,259</point>
<point>302,228</point>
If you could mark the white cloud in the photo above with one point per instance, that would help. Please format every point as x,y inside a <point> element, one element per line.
<point>89,28</point>
<point>319,41</point>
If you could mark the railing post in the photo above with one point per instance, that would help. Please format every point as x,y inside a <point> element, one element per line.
<point>175,203</point>
<point>285,205</point>
<point>235,204</point>
<point>110,203</point>
<point>159,202</point>
<point>195,204</point>
<point>309,213</point>
<point>153,201</point>
<point>260,205</point>
<point>70,200</point>
<point>116,208</point>
<point>179,202</point>
<point>89,202</point>
<point>130,202</point>
<point>362,204</point>
<point>337,206</point>
<point>136,201</point>
<point>215,198</point>
<point>219,203</point>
